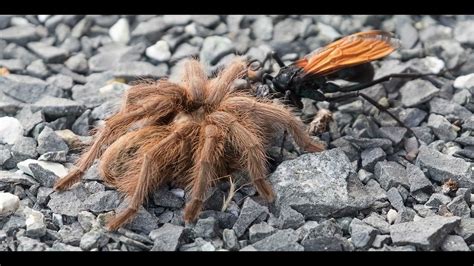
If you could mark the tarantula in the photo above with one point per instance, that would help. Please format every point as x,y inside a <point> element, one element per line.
<point>187,134</point>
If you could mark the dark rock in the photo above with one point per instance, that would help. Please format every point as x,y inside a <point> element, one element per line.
<point>43,176</point>
<point>377,221</point>
<point>390,174</point>
<point>29,119</point>
<point>436,200</point>
<point>417,92</point>
<point>50,54</point>
<point>49,141</point>
<point>449,109</point>
<point>71,234</point>
<point>58,107</point>
<point>107,59</point>
<point>102,201</point>
<point>427,233</point>
<point>441,127</point>
<point>366,143</point>
<point>214,48</point>
<point>371,156</point>
<point>381,240</point>
<point>43,195</point>
<point>29,244</point>
<point>132,70</point>
<point>395,134</point>
<point>362,235</point>
<point>144,222</point>
<point>417,179</point>
<point>466,230</point>
<point>206,228</point>
<point>13,65</point>
<point>38,69</point>
<point>395,199</point>
<point>465,140</point>
<point>66,203</point>
<point>412,117</point>
<point>152,29</point>
<point>77,63</point>
<point>81,125</point>
<point>24,88</point>
<point>167,237</point>
<point>284,240</point>
<point>249,213</point>
<point>56,156</point>
<point>405,215</point>
<point>290,218</point>
<point>260,231</point>
<point>95,238</point>
<point>458,206</point>
<point>163,197</point>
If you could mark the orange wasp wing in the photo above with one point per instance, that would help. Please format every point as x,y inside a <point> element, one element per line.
<point>349,51</point>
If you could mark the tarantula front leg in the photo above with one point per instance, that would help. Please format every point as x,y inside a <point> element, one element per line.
<point>205,169</point>
<point>115,127</point>
<point>154,169</point>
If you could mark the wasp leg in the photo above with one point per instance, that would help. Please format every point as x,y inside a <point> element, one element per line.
<point>362,86</point>
<point>374,103</point>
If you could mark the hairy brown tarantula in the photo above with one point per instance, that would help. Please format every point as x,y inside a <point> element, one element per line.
<point>187,134</point>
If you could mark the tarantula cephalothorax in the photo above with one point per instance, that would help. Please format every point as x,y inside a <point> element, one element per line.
<point>186,134</point>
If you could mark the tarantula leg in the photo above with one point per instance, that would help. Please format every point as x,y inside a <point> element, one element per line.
<point>151,174</point>
<point>115,127</point>
<point>144,185</point>
<point>205,170</point>
<point>281,116</point>
<point>253,150</point>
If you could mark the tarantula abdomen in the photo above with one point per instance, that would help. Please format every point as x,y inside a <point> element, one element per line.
<point>191,134</point>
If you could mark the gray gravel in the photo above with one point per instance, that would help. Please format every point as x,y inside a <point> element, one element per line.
<point>376,187</point>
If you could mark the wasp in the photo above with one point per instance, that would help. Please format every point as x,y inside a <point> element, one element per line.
<point>348,58</point>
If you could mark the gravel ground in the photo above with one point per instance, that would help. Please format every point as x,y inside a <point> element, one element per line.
<point>373,189</point>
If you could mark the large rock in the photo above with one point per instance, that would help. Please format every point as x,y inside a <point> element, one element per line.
<point>427,233</point>
<point>440,166</point>
<point>320,185</point>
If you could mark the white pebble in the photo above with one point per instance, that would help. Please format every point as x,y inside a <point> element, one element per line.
<point>57,168</point>
<point>10,130</point>
<point>416,218</point>
<point>434,64</point>
<point>208,247</point>
<point>392,216</point>
<point>178,192</point>
<point>9,203</point>
<point>43,18</point>
<point>114,88</point>
<point>160,51</point>
<point>120,31</point>
<point>35,226</point>
<point>464,82</point>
